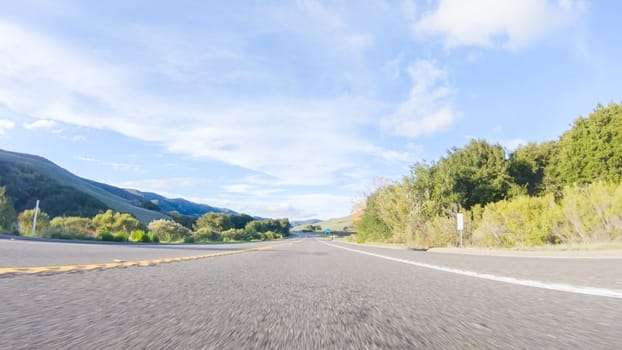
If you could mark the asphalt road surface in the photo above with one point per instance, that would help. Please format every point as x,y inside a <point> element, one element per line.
<point>310,294</point>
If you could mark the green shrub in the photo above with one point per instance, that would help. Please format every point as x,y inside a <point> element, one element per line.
<point>121,236</point>
<point>138,236</point>
<point>251,236</point>
<point>522,221</point>
<point>168,230</point>
<point>25,219</point>
<point>106,235</point>
<point>267,236</point>
<point>69,235</point>
<point>590,213</point>
<point>234,235</point>
<point>153,237</point>
<point>206,235</point>
<point>188,239</point>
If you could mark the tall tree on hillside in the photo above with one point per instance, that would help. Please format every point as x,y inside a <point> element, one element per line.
<point>592,149</point>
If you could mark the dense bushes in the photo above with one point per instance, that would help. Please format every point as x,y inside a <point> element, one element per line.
<point>585,214</point>
<point>567,191</point>
<point>238,227</point>
<point>522,221</point>
<point>122,227</point>
<point>168,230</point>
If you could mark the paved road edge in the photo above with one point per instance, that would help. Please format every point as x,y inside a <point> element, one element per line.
<point>140,263</point>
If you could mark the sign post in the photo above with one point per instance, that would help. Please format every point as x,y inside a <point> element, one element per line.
<point>327,232</point>
<point>34,220</point>
<point>460,225</point>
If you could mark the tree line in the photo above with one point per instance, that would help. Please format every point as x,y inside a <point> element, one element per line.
<point>123,227</point>
<point>563,191</point>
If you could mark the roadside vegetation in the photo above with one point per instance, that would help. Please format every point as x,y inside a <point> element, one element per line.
<point>123,227</point>
<point>567,191</point>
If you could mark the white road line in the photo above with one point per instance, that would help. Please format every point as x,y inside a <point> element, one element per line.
<point>601,292</point>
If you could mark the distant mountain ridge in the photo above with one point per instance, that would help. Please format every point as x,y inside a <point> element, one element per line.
<point>305,222</point>
<point>31,177</point>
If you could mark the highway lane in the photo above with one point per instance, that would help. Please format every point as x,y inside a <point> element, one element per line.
<point>602,273</point>
<point>43,253</point>
<point>301,295</point>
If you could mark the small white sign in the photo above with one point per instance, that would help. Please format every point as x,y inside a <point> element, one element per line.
<point>460,221</point>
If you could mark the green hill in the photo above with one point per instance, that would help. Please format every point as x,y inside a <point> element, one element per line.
<point>29,177</point>
<point>337,224</point>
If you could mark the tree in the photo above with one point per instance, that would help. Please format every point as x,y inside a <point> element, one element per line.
<point>217,222</point>
<point>531,167</point>
<point>399,209</point>
<point>8,217</point>
<point>370,226</point>
<point>187,221</point>
<point>592,149</point>
<point>239,221</point>
<point>474,175</point>
<point>25,219</point>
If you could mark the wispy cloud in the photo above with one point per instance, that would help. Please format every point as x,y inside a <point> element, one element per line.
<point>41,124</point>
<point>72,87</point>
<point>510,24</point>
<point>6,125</point>
<point>293,206</point>
<point>301,95</point>
<point>165,185</point>
<point>427,109</point>
<point>251,190</point>
<point>114,165</point>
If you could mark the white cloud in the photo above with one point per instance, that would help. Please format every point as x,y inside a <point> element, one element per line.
<point>426,110</point>
<point>163,185</point>
<point>6,125</point>
<point>41,124</point>
<point>251,190</point>
<point>114,165</point>
<point>393,67</point>
<point>511,145</point>
<point>510,24</point>
<point>292,206</point>
<point>296,140</point>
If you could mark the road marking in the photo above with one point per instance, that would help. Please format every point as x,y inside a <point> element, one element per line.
<point>601,292</point>
<point>151,262</point>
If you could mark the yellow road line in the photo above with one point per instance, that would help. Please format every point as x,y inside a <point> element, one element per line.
<point>84,267</point>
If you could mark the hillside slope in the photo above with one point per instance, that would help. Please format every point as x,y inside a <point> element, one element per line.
<point>337,224</point>
<point>30,177</point>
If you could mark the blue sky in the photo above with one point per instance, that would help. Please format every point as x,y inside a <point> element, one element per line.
<point>292,109</point>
